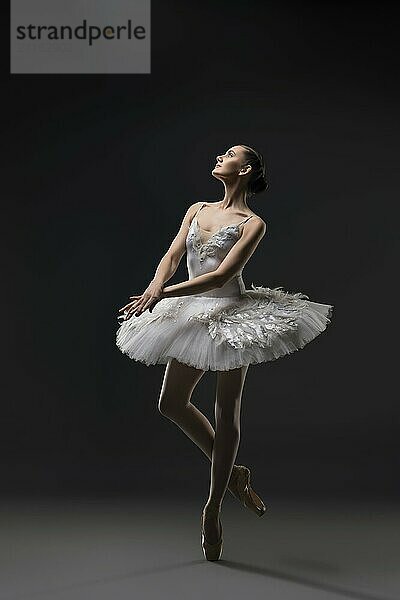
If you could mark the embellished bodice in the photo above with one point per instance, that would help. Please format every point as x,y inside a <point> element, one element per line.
<point>206,256</point>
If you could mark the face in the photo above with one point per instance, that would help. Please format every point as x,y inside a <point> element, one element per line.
<point>231,165</point>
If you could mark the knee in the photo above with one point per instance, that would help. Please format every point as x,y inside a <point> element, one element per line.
<point>164,405</point>
<point>168,406</point>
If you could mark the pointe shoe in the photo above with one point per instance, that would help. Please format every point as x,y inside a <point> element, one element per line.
<point>241,489</point>
<point>211,551</point>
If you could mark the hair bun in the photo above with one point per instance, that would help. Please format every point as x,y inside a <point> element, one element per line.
<point>258,180</point>
<point>258,184</point>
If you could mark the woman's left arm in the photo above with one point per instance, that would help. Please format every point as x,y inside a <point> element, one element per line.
<point>233,262</point>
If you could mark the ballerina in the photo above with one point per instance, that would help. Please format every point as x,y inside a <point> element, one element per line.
<point>211,322</point>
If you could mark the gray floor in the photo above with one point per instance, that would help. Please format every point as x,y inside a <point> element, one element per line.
<point>150,549</point>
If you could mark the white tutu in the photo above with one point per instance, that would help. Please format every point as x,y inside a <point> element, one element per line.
<point>219,334</point>
<point>225,328</point>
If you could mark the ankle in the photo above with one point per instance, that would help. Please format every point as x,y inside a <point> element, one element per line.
<point>235,469</point>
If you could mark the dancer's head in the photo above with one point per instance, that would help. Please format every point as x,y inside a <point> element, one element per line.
<point>242,165</point>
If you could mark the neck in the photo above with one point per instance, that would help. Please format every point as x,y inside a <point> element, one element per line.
<point>234,198</point>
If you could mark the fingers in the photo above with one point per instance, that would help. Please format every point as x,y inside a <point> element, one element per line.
<point>147,305</point>
<point>129,303</point>
<point>128,309</point>
<point>133,309</point>
<point>138,306</point>
<point>141,307</point>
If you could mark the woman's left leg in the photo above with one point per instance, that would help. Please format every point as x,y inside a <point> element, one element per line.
<point>226,442</point>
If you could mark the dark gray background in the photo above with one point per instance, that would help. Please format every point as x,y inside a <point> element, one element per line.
<point>98,173</point>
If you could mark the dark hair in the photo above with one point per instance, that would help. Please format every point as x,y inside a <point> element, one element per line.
<point>258,180</point>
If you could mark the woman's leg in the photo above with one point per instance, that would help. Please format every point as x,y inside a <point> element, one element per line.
<point>174,403</point>
<point>227,437</point>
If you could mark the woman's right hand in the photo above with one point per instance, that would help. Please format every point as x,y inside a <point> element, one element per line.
<point>149,298</point>
<point>155,287</point>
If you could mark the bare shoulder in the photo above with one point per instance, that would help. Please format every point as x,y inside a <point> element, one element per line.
<point>193,208</point>
<point>190,212</point>
<point>257,224</point>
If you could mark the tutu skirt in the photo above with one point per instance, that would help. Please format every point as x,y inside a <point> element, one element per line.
<point>224,333</point>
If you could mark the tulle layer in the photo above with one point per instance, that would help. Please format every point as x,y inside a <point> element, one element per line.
<point>220,334</point>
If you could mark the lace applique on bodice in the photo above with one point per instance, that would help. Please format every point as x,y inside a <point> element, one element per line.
<point>204,257</point>
<point>215,241</point>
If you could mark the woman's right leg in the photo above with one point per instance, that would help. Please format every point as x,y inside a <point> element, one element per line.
<point>174,403</point>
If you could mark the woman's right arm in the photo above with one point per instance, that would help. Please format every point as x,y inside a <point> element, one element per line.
<point>171,259</point>
<point>167,267</point>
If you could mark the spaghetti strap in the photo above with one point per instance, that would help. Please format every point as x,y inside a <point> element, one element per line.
<point>199,209</point>
<point>246,219</point>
